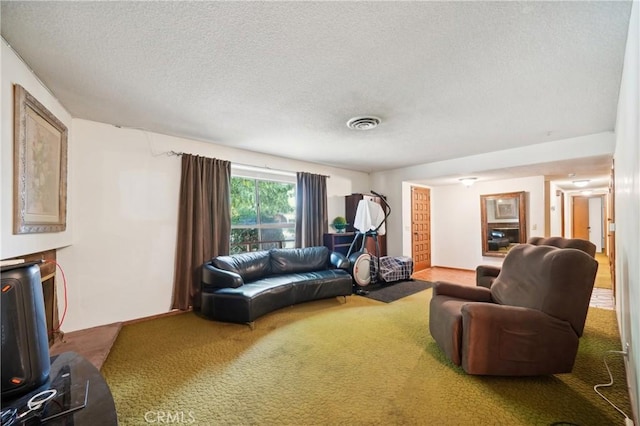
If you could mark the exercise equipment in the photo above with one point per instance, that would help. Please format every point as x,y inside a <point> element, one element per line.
<point>369,222</point>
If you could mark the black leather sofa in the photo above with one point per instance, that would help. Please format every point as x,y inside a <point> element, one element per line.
<point>242,287</point>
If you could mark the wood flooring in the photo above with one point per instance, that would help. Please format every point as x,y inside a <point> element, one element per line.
<point>92,343</point>
<point>459,276</point>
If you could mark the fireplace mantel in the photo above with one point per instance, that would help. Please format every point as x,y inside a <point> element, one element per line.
<point>48,279</point>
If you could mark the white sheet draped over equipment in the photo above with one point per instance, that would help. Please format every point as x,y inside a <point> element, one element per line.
<point>369,215</point>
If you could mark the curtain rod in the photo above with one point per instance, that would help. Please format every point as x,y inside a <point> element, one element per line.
<point>173,153</point>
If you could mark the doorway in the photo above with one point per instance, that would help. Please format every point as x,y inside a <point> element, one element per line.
<point>588,220</point>
<point>420,228</point>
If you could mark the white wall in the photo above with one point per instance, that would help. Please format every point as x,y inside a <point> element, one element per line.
<point>394,183</point>
<point>568,215</point>
<point>456,233</point>
<point>627,205</point>
<point>555,215</point>
<point>120,264</point>
<point>14,71</point>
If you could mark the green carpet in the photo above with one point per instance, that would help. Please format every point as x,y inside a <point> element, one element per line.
<point>328,363</point>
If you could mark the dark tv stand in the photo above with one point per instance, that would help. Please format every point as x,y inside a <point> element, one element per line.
<point>83,397</point>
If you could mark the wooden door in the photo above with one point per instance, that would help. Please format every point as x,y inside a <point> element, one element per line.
<point>420,228</point>
<point>581,218</point>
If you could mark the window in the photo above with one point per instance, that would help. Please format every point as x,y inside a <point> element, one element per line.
<point>263,213</point>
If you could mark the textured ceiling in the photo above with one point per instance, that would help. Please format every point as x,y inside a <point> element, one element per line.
<point>448,79</point>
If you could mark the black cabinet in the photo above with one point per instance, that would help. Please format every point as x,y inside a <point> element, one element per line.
<point>351,205</point>
<point>339,242</point>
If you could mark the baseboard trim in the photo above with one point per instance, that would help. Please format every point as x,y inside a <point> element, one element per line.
<point>157,316</point>
<point>452,269</point>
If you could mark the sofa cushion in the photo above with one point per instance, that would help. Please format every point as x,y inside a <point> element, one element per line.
<point>246,303</point>
<point>321,284</point>
<point>250,266</point>
<point>287,261</point>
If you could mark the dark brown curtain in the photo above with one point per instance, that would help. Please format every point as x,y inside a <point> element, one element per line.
<point>311,209</point>
<point>204,224</point>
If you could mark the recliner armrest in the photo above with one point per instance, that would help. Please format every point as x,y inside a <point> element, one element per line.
<point>466,292</point>
<point>488,270</point>
<point>486,274</point>
<point>513,316</point>
<point>213,277</point>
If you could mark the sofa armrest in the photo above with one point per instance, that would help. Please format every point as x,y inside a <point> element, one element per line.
<point>213,277</point>
<point>339,260</point>
<point>459,291</point>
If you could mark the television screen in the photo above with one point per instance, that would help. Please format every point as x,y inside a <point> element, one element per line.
<point>25,347</point>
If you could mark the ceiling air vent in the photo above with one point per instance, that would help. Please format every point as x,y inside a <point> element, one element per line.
<point>363,123</point>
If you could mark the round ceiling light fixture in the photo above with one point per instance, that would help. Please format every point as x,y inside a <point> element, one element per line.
<point>581,183</point>
<point>363,123</point>
<point>468,181</point>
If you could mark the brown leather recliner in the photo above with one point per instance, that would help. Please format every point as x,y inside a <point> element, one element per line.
<point>486,274</point>
<point>527,324</point>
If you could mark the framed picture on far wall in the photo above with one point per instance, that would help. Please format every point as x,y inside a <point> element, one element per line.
<point>507,208</point>
<point>39,168</point>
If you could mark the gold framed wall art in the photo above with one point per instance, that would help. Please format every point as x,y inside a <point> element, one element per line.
<point>39,168</point>
<point>506,208</point>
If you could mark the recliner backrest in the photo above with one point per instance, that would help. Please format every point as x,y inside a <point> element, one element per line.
<point>561,242</point>
<point>555,281</point>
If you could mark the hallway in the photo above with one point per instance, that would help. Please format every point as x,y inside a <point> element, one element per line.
<point>602,296</point>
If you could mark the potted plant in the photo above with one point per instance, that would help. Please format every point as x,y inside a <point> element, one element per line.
<point>339,224</point>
